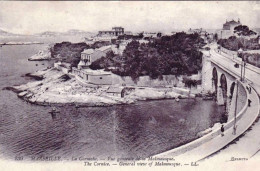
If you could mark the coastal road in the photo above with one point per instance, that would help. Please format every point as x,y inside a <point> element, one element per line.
<point>248,146</point>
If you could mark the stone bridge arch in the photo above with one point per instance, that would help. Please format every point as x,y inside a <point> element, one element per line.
<point>232,88</point>
<point>215,80</point>
<point>223,86</point>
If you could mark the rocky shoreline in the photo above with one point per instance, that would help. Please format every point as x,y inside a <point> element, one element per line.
<point>53,87</point>
<point>20,43</point>
<point>44,54</point>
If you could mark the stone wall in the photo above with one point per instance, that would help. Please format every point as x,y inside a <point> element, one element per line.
<point>145,81</point>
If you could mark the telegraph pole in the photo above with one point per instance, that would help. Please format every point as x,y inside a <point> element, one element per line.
<point>241,75</point>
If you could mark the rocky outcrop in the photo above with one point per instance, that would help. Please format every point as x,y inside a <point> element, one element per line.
<point>44,54</point>
<point>55,87</point>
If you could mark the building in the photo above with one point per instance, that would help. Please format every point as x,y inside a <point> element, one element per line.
<point>228,29</point>
<point>207,37</point>
<point>115,91</point>
<point>200,31</point>
<point>150,34</point>
<point>97,77</point>
<point>230,25</point>
<point>90,55</point>
<point>116,31</point>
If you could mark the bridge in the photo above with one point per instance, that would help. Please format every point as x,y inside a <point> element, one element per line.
<point>221,75</point>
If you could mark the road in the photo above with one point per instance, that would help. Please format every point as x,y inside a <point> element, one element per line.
<point>248,146</point>
<point>252,74</point>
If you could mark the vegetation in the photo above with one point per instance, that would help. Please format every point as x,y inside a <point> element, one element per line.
<point>100,44</point>
<point>243,30</point>
<point>234,43</point>
<point>240,41</point>
<point>127,37</point>
<point>68,52</point>
<point>253,59</point>
<point>177,54</point>
<point>190,82</point>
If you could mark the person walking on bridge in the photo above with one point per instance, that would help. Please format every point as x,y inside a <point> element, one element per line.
<point>222,129</point>
<point>249,89</point>
<point>249,102</point>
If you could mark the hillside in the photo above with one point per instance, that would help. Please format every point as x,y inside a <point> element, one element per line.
<point>72,32</point>
<point>5,33</point>
<point>177,55</point>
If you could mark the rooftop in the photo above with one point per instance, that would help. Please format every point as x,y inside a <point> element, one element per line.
<point>103,48</point>
<point>233,22</point>
<point>114,89</point>
<point>88,51</point>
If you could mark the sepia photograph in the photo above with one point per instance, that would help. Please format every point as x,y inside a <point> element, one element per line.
<point>120,85</point>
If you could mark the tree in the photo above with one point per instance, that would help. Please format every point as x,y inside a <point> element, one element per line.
<point>169,55</point>
<point>243,30</point>
<point>68,52</point>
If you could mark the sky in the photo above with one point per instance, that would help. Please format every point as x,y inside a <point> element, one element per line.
<point>35,17</point>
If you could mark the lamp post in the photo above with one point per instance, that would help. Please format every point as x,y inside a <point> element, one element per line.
<point>240,54</point>
<point>244,63</point>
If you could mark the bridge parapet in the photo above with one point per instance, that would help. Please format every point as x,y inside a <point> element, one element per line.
<point>214,133</point>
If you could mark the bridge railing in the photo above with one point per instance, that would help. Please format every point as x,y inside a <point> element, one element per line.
<point>233,56</point>
<point>196,143</point>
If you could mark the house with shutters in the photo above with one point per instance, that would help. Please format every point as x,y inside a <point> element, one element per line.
<point>90,55</point>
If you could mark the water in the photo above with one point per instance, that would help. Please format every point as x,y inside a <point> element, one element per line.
<point>141,129</point>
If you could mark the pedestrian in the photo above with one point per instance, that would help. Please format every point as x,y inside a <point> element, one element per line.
<point>249,89</point>
<point>249,102</point>
<point>222,130</point>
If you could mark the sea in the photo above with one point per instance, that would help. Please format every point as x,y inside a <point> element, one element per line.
<point>142,129</point>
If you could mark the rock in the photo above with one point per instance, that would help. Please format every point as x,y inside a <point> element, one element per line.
<point>22,94</point>
<point>41,55</point>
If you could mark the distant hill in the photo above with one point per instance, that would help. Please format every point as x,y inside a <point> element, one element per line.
<point>49,34</point>
<point>72,32</point>
<point>5,33</point>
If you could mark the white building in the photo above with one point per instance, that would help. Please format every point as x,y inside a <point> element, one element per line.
<point>90,55</point>
<point>228,29</point>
